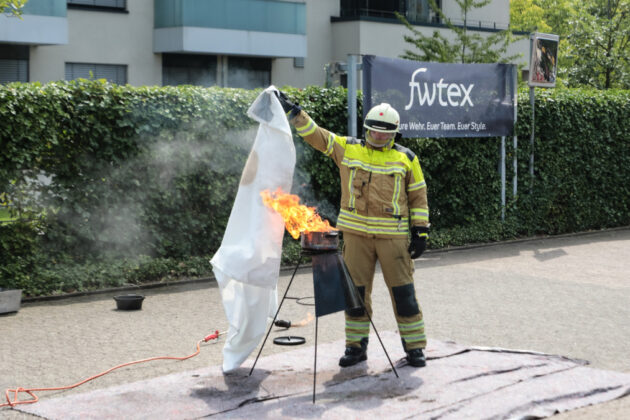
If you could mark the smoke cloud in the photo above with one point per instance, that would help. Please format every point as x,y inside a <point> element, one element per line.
<point>175,167</point>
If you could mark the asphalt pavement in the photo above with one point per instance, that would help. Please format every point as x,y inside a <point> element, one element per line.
<point>567,295</point>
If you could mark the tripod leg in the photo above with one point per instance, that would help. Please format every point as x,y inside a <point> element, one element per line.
<point>315,362</point>
<point>275,316</point>
<point>381,341</point>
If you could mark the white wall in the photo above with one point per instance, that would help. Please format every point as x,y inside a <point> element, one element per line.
<point>104,38</point>
<point>320,42</point>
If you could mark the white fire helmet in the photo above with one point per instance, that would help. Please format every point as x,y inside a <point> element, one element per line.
<point>382,118</point>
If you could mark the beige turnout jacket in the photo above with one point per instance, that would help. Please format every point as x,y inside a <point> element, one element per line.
<point>383,190</point>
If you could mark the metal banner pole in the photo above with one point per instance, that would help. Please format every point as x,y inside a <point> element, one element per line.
<point>510,89</point>
<point>502,170</point>
<point>352,95</point>
<point>532,103</point>
<point>515,157</point>
<point>515,167</point>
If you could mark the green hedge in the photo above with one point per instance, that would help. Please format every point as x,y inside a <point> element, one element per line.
<point>99,176</point>
<point>582,161</point>
<point>135,170</point>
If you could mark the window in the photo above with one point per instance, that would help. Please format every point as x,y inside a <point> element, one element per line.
<point>413,10</point>
<point>100,4</point>
<point>188,69</point>
<point>248,72</point>
<point>375,8</point>
<point>13,63</point>
<point>298,62</point>
<point>13,70</point>
<point>418,11</point>
<point>114,73</point>
<point>212,70</point>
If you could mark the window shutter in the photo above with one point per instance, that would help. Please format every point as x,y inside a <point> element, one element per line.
<point>111,72</point>
<point>13,70</point>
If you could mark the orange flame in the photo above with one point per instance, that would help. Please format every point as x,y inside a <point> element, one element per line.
<point>305,321</point>
<point>297,217</point>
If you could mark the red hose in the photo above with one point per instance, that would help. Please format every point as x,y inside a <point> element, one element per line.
<point>30,391</point>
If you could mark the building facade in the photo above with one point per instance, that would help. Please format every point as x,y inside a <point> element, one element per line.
<point>232,43</point>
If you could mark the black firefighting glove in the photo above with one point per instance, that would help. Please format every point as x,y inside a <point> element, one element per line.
<point>419,235</point>
<point>289,107</point>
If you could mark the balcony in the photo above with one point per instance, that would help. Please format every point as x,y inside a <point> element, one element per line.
<point>264,28</point>
<point>43,22</point>
<point>417,12</point>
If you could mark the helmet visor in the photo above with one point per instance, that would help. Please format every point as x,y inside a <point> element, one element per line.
<point>382,126</point>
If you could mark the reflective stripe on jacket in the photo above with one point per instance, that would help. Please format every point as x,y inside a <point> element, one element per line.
<point>382,189</point>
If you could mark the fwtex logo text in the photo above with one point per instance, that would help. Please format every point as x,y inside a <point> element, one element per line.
<point>448,94</point>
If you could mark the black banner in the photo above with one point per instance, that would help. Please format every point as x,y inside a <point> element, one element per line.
<point>442,99</point>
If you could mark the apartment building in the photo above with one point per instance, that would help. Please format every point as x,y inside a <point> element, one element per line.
<point>233,43</point>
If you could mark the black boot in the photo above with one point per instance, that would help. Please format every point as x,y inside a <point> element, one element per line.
<point>354,355</point>
<point>416,358</point>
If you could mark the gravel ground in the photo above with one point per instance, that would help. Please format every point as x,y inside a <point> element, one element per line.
<point>561,295</point>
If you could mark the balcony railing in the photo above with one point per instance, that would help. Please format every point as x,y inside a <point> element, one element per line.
<point>56,8</point>
<point>248,15</point>
<point>389,14</point>
<point>263,28</point>
<point>44,22</point>
<point>415,11</point>
<point>480,24</point>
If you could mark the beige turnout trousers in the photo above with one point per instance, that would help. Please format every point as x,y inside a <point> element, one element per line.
<point>360,254</point>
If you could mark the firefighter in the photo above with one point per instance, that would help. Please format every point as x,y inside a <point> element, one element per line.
<point>383,201</point>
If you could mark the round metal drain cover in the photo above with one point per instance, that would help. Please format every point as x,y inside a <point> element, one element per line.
<point>290,340</point>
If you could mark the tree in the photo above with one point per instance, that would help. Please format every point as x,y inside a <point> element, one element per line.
<point>12,7</point>
<point>550,16</point>
<point>594,38</point>
<point>557,14</point>
<point>526,15</point>
<point>599,45</point>
<point>468,46</point>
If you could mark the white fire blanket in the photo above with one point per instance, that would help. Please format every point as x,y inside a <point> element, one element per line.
<point>247,264</point>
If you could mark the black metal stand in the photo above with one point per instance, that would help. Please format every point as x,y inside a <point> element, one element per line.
<point>315,362</point>
<point>316,328</point>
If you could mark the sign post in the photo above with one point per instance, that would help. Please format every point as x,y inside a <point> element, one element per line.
<point>543,64</point>
<point>510,85</point>
<point>515,157</point>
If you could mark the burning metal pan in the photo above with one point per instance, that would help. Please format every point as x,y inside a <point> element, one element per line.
<point>320,241</point>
